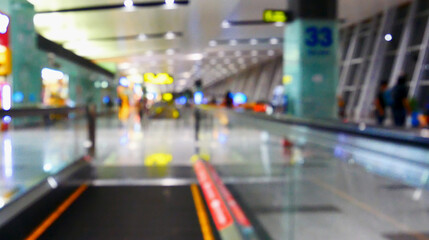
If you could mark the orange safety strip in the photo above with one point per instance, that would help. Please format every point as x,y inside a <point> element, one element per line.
<point>56,214</point>
<point>202,213</point>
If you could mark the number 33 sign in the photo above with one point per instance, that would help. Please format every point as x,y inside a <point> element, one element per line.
<point>321,36</point>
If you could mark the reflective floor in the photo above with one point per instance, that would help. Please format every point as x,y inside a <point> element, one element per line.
<point>323,186</point>
<point>314,186</point>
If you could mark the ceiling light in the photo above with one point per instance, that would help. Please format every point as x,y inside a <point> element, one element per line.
<point>279,24</point>
<point>186,75</point>
<point>388,37</point>
<point>274,41</point>
<point>135,78</point>
<point>212,43</point>
<point>241,60</point>
<point>225,24</point>
<point>253,41</point>
<point>169,3</point>
<point>133,71</point>
<point>195,56</point>
<point>254,53</point>
<point>270,53</point>
<point>233,42</point>
<point>149,53</point>
<point>170,51</point>
<point>124,65</point>
<point>170,35</point>
<point>129,3</point>
<point>142,37</point>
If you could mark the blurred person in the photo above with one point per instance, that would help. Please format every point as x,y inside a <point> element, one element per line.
<point>140,109</point>
<point>341,107</point>
<point>229,102</point>
<point>381,103</point>
<point>124,107</point>
<point>400,105</point>
<point>426,115</point>
<point>213,101</point>
<point>279,99</point>
<point>109,104</point>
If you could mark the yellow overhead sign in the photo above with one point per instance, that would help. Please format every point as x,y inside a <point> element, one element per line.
<point>160,78</point>
<point>276,16</point>
<point>167,97</point>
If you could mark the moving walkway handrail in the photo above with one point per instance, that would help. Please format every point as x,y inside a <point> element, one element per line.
<point>364,130</point>
<point>27,111</point>
<point>89,111</point>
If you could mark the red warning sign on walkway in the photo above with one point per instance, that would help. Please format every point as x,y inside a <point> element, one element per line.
<point>221,216</point>
<point>232,204</point>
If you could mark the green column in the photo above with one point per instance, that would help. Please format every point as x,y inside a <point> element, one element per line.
<point>311,65</point>
<point>4,6</point>
<point>26,60</point>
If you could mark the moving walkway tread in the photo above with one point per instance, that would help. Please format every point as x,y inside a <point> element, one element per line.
<point>130,212</point>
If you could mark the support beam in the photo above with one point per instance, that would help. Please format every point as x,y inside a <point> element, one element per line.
<point>347,63</point>
<point>419,68</point>
<point>351,102</point>
<point>404,43</point>
<point>373,75</point>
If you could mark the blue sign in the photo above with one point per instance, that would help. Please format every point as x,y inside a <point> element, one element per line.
<point>181,100</point>
<point>239,98</point>
<point>315,36</point>
<point>198,97</point>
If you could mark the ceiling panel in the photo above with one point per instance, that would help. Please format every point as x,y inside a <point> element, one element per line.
<point>199,22</point>
<point>353,11</point>
<point>62,27</point>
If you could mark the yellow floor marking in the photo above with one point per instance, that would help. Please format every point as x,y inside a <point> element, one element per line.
<point>56,214</point>
<point>202,213</point>
<point>369,209</point>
